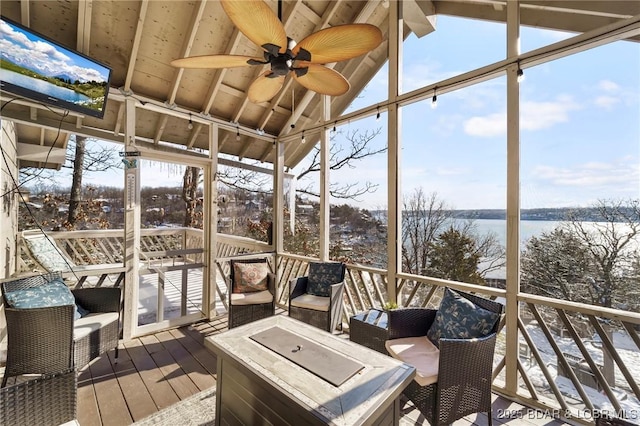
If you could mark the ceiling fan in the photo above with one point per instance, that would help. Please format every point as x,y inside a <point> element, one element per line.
<point>304,60</point>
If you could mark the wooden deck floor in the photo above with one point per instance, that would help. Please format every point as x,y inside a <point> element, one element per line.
<point>159,370</point>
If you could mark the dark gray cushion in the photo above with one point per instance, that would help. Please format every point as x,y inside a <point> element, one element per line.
<point>459,318</point>
<point>322,275</point>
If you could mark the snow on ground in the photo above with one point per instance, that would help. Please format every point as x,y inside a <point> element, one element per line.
<point>628,352</point>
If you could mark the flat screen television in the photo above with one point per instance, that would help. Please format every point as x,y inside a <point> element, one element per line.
<point>35,67</point>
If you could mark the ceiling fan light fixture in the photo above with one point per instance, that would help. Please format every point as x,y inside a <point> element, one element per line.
<point>305,60</point>
<point>303,140</point>
<point>190,125</point>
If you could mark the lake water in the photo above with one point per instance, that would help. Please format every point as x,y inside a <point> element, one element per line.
<point>528,228</point>
<point>42,86</point>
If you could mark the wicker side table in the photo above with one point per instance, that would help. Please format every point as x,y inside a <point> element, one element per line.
<point>370,329</point>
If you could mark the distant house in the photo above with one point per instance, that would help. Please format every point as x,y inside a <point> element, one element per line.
<point>305,209</point>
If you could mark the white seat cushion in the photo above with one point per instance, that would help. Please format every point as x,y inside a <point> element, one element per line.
<point>418,352</point>
<point>92,322</point>
<point>309,301</point>
<point>251,298</point>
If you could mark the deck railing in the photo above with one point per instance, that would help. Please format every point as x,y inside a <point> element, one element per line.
<point>574,360</point>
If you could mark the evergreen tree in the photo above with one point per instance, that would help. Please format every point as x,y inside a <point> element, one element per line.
<point>454,257</point>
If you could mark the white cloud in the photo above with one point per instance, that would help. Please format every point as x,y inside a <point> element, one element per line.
<point>42,56</point>
<point>487,126</point>
<point>606,102</point>
<point>608,86</point>
<point>533,116</point>
<point>591,174</point>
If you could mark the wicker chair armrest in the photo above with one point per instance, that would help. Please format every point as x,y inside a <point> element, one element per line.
<point>468,360</point>
<point>410,322</point>
<point>98,299</point>
<point>336,289</point>
<point>298,287</point>
<point>271,283</point>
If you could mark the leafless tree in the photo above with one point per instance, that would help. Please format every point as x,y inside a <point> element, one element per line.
<point>591,257</point>
<point>190,182</point>
<point>425,218</point>
<point>359,148</point>
<point>84,160</point>
<point>612,239</point>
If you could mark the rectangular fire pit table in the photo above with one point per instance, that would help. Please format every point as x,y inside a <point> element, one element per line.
<point>282,371</point>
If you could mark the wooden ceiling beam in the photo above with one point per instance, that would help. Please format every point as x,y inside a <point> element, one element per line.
<point>160,128</point>
<point>83,30</point>
<point>83,33</point>
<point>119,118</point>
<point>133,56</point>
<point>245,148</point>
<point>300,152</point>
<point>193,135</point>
<point>218,76</point>
<point>265,154</point>
<point>194,25</point>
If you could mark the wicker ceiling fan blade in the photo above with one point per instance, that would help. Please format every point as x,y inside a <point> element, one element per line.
<point>256,20</point>
<point>323,80</point>
<point>264,87</point>
<point>214,61</point>
<point>339,43</point>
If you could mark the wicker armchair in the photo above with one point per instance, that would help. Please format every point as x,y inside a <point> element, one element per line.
<point>48,340</point>
<point>324,312</point>
<point>464,366</point>
<point>250,304</point>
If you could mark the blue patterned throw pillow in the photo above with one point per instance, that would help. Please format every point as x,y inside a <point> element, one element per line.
<point>54,293</point>
<point>322,275</point>
<point>460,318</point>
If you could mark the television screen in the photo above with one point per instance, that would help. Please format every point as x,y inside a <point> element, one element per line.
<point>35,67</point>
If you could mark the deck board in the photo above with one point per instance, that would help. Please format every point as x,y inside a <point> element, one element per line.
<point>160,391</point>
<point>140,404</point>
<point>172,372</point>
<point>156,371</point>
<point>190,365</point>
<point>109,394</point>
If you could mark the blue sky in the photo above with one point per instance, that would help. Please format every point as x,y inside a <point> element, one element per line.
<point>580,120</point>
<point>579,123</point>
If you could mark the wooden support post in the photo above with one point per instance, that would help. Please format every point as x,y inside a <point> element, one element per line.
<point>131,223</point>
<point>394,209</point>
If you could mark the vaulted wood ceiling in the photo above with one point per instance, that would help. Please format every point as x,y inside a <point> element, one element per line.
<point>139,39</point>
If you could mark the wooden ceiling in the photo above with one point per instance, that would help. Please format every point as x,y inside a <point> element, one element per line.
<point>138,39</point>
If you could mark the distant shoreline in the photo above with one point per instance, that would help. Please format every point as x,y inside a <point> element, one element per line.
<point>585,214</point>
